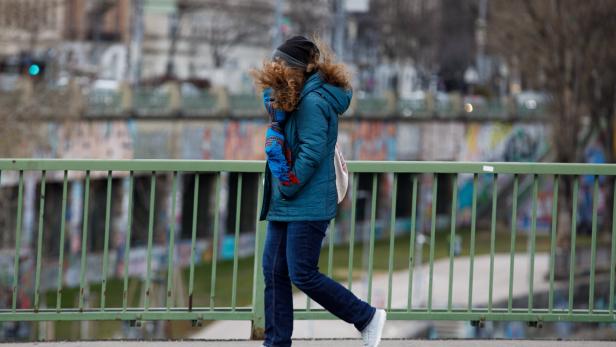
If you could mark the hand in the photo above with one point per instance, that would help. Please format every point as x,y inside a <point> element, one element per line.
<point>276,115</point>
<point>274,151</point>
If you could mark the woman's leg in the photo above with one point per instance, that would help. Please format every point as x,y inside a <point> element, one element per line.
<point>278,295</point>
<point>304,241</point>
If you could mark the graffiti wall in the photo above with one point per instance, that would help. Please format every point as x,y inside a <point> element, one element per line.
<point>497,142</point>
<point>504,142</point>
<point>111,139</point>
<point>243,140</point>
<point>373,140</point>
<point>441,141</point>
<point>359,139</point>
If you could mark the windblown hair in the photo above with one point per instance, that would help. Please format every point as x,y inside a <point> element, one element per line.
<point>287,82</point>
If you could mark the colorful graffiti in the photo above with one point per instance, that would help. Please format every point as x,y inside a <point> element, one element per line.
<point>374,140</point>
<point>110,139</point>
<point>244,140</point>
<point>504,142</point>
<point>496,142</point>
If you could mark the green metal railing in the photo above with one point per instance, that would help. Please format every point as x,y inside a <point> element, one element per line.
<point>418,172</point>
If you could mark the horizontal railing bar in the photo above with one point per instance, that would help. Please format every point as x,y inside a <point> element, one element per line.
<point>502,311</point>
<point>470,316</point>
<point>353,166</point>
<point>204,313</point>
<point>481,167</point>
<point>134,165</point>
<point>152,314</point>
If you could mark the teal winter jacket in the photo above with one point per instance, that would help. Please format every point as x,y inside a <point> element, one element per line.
<point>310,133</point>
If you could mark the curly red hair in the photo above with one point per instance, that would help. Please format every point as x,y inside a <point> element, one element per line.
<point>287,82</point>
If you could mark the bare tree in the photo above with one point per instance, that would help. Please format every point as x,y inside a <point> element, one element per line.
<point>407,30</point>
<point>220,24</point>
<point>565,48</point>
<point>310,17</point>
<point>398,32</point>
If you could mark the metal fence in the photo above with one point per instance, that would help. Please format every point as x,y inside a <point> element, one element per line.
<point>518,176</point>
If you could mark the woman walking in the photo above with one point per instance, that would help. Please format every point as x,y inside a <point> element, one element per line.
<point>304,93</point>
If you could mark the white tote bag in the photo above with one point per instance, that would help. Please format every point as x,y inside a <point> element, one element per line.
<point>342,174</point>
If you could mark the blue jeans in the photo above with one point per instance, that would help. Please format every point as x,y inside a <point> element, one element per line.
<point>291,255</point>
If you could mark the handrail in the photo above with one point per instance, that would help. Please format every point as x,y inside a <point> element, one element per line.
<point>354,166</point>
<point>212,189</point>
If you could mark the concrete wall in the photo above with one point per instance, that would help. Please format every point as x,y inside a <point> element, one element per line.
<point>235,139</point>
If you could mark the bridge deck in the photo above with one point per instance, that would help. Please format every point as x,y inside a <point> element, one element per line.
<point>328,343</point>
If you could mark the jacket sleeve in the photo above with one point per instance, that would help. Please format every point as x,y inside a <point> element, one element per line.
<point>312,126</point>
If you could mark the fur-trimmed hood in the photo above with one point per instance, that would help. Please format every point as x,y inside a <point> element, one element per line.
<point>338,97</point>
<point>288,83</point>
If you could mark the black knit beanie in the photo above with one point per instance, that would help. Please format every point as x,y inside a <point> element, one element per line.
<point>296,51</point>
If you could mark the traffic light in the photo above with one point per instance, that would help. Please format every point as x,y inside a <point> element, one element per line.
<point>34,69</point>
<point>31,66</point>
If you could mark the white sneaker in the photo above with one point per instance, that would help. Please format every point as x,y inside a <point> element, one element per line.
<point>373,331</point>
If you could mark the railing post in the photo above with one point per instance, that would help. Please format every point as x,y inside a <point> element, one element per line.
<point>258,318</point>
<point>257,331</point>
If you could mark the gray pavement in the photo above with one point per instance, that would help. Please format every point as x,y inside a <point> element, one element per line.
<point>324,343</point>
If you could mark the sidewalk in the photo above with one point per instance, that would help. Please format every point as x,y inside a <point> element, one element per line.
<point>324,343</point>
<point>404,329</point>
